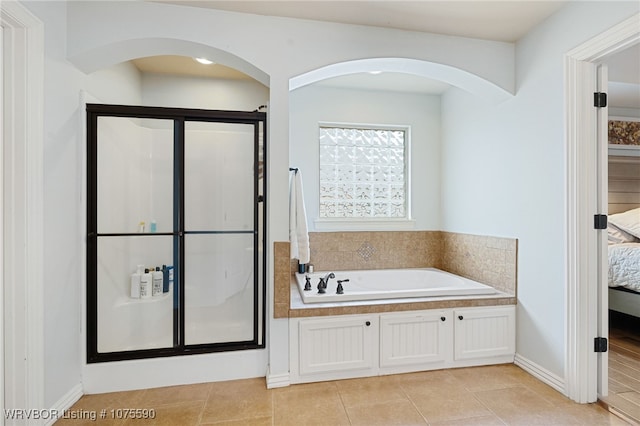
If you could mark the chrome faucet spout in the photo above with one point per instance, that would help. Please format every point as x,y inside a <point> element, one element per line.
<point>322,285</point>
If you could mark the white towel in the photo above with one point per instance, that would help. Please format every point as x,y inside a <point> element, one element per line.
<point>298,230</point>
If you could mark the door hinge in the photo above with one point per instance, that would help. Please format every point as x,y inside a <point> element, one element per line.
<point>599,99</point>
<point>600,221</point>
<point>600,344</point>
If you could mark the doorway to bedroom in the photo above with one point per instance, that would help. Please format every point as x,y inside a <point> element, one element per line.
<point>622,187</point>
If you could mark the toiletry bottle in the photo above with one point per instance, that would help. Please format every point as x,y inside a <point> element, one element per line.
<point>157,282</point>
<point>165,279</point>
<point>171,271</point>
<point>141,227</point>
<point>145,284</point>
<point>135,282</point>
<point>153,227</point>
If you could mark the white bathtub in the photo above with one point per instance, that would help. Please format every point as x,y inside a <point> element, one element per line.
<point>390,284</point>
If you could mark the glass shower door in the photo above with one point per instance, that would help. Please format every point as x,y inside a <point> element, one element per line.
<point>134,230</point>
<point>180,188</point>
<point>220,232</point>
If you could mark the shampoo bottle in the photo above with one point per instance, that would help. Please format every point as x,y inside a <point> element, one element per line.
<point>135,283</point>
<point>145,284</point>
<point>157,282</point>
<point>165,279</point>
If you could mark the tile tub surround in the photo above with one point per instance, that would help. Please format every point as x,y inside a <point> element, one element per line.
<point>490,260</point>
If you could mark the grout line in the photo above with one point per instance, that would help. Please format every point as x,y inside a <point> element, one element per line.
<point>413,403</point>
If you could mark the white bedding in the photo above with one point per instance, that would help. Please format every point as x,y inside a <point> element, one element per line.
<point>624,266</point>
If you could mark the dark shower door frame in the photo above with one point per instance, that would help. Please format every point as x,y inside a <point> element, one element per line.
<point>179,116</point>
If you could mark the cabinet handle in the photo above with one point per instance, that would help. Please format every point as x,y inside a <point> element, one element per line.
<point>460,317</point>
<point>443,318</point>
<point>368,323</point>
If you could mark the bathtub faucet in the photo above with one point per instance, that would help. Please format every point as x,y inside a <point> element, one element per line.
<point>322,285</point>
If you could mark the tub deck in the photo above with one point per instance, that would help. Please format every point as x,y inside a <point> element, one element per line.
<point>386,284</point>
<point>299,309</point>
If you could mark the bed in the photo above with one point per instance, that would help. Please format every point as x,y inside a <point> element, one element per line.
<point>624,262</point>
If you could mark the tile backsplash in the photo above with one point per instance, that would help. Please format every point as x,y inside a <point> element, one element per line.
<point>375,250</point>
<point>490,260</point>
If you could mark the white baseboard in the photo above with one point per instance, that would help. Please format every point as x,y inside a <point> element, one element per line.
<point>65,402</point>
<point>277,380</point>
<point>540,373</point>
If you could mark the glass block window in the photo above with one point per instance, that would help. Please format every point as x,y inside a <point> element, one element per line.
<point>362,172</point>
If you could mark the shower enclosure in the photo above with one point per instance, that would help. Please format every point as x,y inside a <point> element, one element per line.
<point>180,193</point>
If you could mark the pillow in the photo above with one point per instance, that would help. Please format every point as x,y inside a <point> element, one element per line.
<point>628,221</point>
<point>617,236</point>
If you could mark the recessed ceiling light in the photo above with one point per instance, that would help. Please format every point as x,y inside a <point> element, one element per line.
<point>204,61</point>
<point>375,72</point>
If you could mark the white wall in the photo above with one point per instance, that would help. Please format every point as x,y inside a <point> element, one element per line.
<point>186,92</point>
<point>312,104</point>
<point>63,191</point>
<point>504,172</point>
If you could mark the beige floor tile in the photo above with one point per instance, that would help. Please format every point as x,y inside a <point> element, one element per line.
<point>471,421</point>
<point>370,390</point>
<point>433,378</point>
<point>401,413</point>
<point>127,399</point>
<point>531,382</point>
<point>88,421</point>
<point>522,406</point>
<point>258,421</point>
<point>447,401</point>
<point>173,394</point>
<point>486,378</point>
<point>238,400</point>
<point>93,405</point>
<point>182,413</point>
<point>302,406</point>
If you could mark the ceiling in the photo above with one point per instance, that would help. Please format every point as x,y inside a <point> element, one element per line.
<point>503,20</point>
<point>491,20</point>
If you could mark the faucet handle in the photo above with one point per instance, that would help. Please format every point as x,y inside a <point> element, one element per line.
<point>307,283</point>
<point>340,289</point>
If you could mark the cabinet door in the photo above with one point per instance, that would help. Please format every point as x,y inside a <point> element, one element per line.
<point>484,332</point>
<point>336,344</point>
<point>415,338</point>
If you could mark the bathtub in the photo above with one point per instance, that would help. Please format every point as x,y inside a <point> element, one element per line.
<point>390,284</point>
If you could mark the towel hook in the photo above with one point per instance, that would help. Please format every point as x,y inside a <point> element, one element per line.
<point>293,169</point>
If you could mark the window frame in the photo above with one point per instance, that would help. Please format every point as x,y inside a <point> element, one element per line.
<point>369,223</point>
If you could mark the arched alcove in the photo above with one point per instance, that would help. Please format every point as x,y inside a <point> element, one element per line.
<point>445,73</point>
<point>382,92</point>
<point>114,53</point>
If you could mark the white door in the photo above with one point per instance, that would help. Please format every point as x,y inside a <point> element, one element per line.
<point>602,120</point>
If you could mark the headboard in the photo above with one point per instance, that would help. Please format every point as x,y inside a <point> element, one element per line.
<point>624,183</point>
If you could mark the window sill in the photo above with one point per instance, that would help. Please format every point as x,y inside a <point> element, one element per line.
<point>364,224</point>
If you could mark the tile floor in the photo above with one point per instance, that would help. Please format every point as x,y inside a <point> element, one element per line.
<point>490,395</point>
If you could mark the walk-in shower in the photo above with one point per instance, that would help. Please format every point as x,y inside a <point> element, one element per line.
<point>178,193</point>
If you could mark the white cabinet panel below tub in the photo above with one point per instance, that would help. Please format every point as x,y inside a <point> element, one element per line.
<point>484,332</point>
<point>337,344</point>
<point>415,338</point>
<point>349,346</point>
